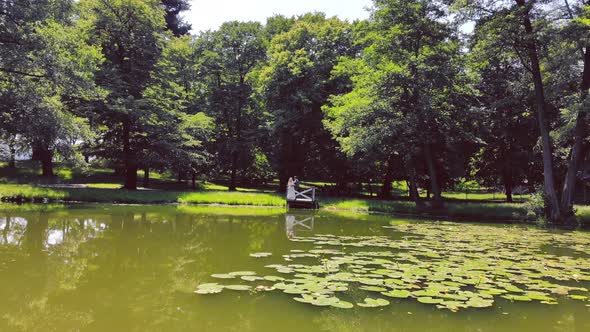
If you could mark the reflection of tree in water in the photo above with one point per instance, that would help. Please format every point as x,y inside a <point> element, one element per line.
<point>38,278</point>
<point>259,233</point>
<point>149,264</point>
<point>13,230</point>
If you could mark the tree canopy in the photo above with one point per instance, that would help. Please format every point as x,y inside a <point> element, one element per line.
<point>433,93</point>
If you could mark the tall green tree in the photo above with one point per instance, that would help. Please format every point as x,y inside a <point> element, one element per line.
<point>296,83</point>
<point>230,55</point>
<point>46,68</point>
<point>507,127</point>
<point>131,34</point>
<point>524,26</point>
<point>410,90</point>
<point>176,127</point>
<point>578,30</point>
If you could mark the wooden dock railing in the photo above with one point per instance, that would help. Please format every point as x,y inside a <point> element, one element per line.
<point>305,198</point>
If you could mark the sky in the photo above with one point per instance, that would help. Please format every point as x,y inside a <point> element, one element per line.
<point>210,14</point>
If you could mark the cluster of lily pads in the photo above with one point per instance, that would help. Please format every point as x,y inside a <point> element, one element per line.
<point>452,266</point>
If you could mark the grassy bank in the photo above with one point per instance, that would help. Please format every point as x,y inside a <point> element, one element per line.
<point>473,210</point>
<point>28,193</point>
<point>476,211</point>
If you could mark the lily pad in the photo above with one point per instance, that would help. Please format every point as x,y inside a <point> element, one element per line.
<point>373,303</point>
<point>242,273</point>
<point>451,266</point>
<point>210,288</point>
<point>252,278</point>
<point>517,297</point>
<point>238,287</point>
<point>373,288</point>
<point>273,278</point>
<point>478,302</point>
<point>398,293</point>
<point>261,254</point>
<point>429,300</point>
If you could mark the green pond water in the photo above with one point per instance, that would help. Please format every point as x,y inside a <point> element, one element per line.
<point>169,268</point>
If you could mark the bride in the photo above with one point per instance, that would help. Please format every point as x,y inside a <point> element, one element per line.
<point>291,190</point>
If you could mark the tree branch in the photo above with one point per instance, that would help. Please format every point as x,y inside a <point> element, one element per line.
<point>18,72</point>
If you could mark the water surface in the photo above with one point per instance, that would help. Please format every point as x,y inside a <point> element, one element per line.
<point>135,268</point>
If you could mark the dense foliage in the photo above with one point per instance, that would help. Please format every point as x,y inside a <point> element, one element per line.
<point>428,92</point>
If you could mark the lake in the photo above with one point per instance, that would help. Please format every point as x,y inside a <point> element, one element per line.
<point>136,268</point>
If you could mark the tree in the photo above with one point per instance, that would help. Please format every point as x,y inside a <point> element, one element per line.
<point>230,55</point>
<point>131,34</point>
<point>296,83</point>
<point>410,91</point>
<point>580,25</point>
<point>46,69</point>
<point>507,127</point>
<point>522,25</point>
<point>529,42</point>
<point>174,22</point>
<point>175,125</point>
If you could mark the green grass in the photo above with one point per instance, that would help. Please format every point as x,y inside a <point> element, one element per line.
<point>475,211</point>
<point>483,196</point>
<point>102,186</point>
<point>30,192</point>
<point>583,214</point>
<point>218,187</point>
<point>364,205</point>
<point>472,211</point>
<point>105,193</point>
<point>232,198</point>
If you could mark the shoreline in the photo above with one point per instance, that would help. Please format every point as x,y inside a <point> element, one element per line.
<point>454,210</point>
<point>422,215</point>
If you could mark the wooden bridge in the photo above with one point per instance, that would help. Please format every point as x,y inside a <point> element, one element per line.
<point>302,198</point>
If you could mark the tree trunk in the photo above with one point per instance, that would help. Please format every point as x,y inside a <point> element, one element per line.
<point>508,183</point>
<point>131,177</point>
<point>569,183</point>
<point>412,182</point>
<point>387,179</point>
<point>232,178</point>
<point>12,160</point>
<point>386,186</point>
<point>146,177</point>
<point>437,201</point>
<point>129,158</point>
<point>287,158</point>
<point>194,180</point>
<point>36,233</point>
<point>552,208</point>
<point>46,158</point>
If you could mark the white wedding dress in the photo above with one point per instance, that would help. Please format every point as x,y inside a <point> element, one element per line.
<point>291,193</point>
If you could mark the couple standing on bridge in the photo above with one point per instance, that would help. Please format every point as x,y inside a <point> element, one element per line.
<point>292,186</point>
